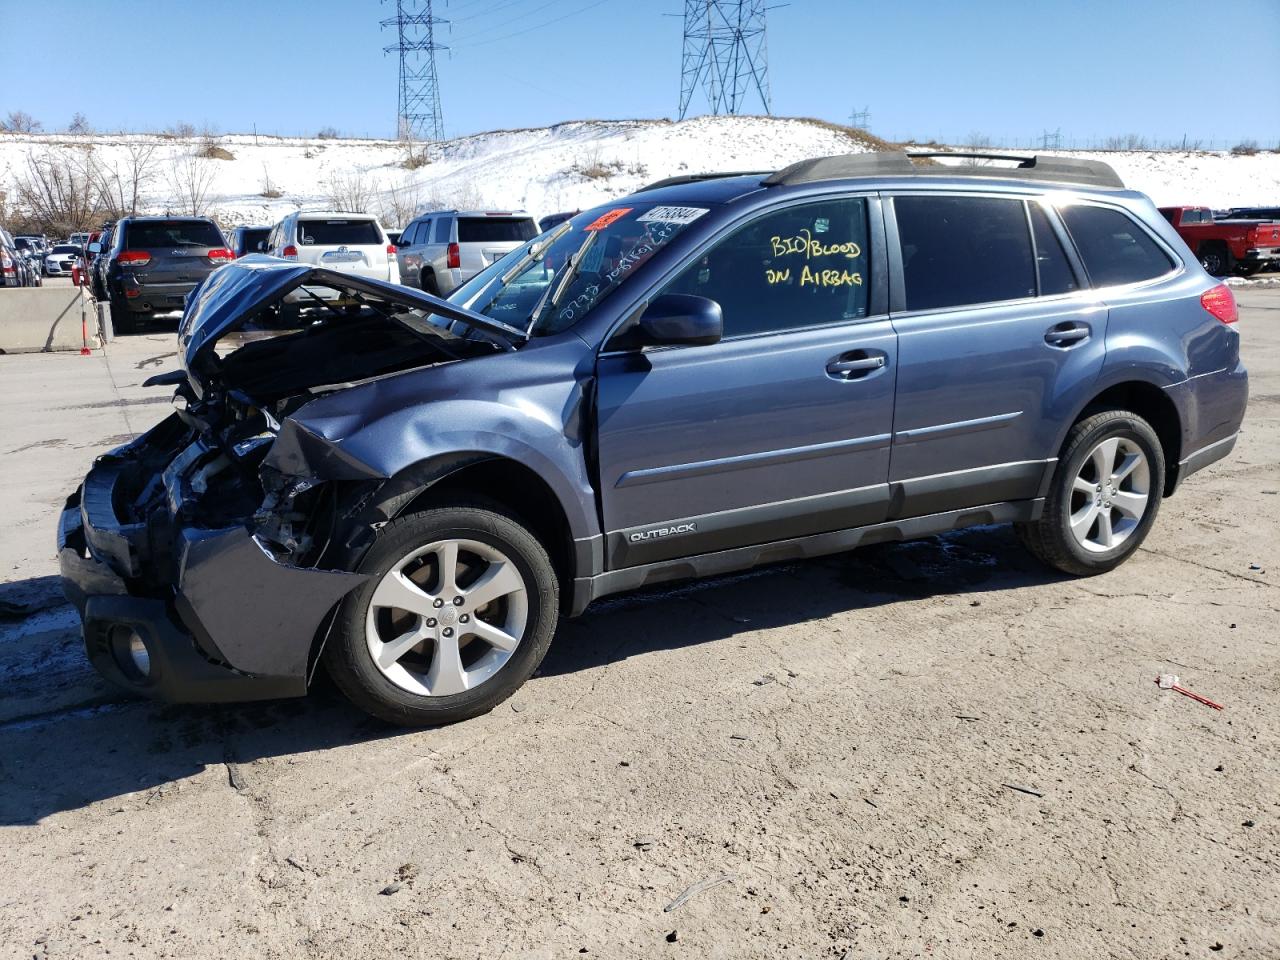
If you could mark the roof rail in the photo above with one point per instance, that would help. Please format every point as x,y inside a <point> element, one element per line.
<point>1093,173</point>
<point>699,177</point>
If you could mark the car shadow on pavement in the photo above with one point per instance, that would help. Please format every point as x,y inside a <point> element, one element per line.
<point>91,744</point>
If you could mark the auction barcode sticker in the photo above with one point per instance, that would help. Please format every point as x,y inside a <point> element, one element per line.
<point>672,215</point>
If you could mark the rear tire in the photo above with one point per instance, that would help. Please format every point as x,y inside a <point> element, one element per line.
<point>430,284</point>
<point>122,321</point>
<point>1249,269</point>
<point>1104,496</point>
<point>1216,258</point>
<point>462,642</point>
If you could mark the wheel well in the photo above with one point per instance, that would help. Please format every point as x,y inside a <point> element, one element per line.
<point>520,490</point>
<point>1153,405</point>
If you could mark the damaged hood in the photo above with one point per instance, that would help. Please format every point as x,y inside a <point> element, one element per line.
<point>234,292</point>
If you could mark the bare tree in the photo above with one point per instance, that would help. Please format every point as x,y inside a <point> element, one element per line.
<point>120,185</point>
<point>351,192</point>
<point>19,121</point>
<point>57,190</point>
<point>190,179</point>
<point>400,203</point>
<point>79,124</point>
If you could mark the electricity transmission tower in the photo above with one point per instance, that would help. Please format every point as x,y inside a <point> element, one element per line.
<point>1051,141</point>
<point>725,54</point>
<point>418,115</point>
<point>861,118</point>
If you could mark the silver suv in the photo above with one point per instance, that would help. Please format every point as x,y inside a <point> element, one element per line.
<point>442,250</point>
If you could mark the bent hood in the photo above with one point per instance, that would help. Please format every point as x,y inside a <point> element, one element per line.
<point>234,292</point>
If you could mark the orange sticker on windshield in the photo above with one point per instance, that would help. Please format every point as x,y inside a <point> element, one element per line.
<point>602,221</point>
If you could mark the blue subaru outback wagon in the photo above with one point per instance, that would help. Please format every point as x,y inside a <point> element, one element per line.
<point>712,373</point>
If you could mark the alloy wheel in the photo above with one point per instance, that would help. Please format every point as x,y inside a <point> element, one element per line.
<point>446,617</point>
<point>1109,495</point>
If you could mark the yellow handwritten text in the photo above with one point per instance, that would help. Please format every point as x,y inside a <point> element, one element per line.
<point>777,276</point>
<point>829,278</point>
<point>805,245</point>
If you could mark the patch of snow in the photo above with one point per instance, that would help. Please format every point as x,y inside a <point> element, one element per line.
<point>567,166</point>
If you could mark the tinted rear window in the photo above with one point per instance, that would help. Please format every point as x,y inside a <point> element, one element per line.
<point>172,233</point>
<point>1114,249</point>
<point>336,233</point>
<point>1054,271</point>
<point>495,230</point>
<point>249,239</point>
<point>961,250</point>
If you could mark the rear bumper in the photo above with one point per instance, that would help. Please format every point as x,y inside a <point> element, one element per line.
<point>148,297</point>
<point>1261,254</point>
<point>221,619</point>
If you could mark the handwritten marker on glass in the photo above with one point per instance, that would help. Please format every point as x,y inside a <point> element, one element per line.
<point>1167,681</point>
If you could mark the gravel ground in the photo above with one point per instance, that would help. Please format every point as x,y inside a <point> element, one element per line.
<point>935,749</point>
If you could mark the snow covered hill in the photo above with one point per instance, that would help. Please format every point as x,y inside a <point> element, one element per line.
<point>563,167</point>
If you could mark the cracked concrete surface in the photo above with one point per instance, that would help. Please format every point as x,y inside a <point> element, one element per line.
<point>857,799</point>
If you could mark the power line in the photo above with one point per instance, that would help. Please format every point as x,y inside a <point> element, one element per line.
<point>538,26</point>
<point>861,119</point>
<point>418,112</point>
<point>725,54</point>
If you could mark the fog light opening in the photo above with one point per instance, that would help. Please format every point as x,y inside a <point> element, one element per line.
<point>132,656</point>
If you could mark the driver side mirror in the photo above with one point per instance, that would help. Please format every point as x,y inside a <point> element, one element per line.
<point>678,319</point>
<point>95,247</point>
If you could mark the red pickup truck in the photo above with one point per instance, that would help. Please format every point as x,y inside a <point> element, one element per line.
<point>1226,246</point>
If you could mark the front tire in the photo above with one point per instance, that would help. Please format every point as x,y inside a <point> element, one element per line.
<point>459,610</point>
<point>1104,496</point>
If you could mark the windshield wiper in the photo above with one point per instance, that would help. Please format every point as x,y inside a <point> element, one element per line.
<point>570,273</point>
<point>535,252</point>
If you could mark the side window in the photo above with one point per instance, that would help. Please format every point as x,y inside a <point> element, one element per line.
<point>964,250</point>
<point>424,233</point>
<point>406,236</point>
<point>443,230</point>
<point>1114,249</point>
<point>801,266</point>
<point>1052,267</point>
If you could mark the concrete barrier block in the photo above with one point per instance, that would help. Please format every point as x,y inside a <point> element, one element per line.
<point>38,319</point>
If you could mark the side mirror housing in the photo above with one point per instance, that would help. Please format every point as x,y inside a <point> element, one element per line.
<point>95,247</point>
<point>262,246</point>
<point>677,319</point>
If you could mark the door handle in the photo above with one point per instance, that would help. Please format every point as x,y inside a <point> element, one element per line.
<point>1067,334</point>
<point>856,365</point>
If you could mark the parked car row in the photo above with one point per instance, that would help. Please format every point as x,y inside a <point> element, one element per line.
<point>19,264</point>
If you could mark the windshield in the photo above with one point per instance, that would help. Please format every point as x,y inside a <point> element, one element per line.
<point>149,234</point>
<point>332,233</point>
<point>554,280</point>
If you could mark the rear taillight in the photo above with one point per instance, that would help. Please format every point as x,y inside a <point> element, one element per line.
<point>290,252</point>
<point>455,256</point>
<point>134,258</point>
<point>1221,302</point>
<point>6,262</point>
<point>391,249</point>
<point>221,255</point>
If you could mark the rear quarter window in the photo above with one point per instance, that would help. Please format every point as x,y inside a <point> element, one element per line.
<point>495,230</point>
<point>337,233</point>
<point>1115,250</point>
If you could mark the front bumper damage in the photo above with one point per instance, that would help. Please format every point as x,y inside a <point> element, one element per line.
<point>222,619</point>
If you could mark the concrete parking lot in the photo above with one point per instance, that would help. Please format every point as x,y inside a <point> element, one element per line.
<point>936,749</point>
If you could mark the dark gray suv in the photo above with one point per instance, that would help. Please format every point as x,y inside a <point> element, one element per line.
<point>152,263</point>
<point>710,374</point>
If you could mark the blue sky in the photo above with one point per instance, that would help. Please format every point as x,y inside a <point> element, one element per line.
<point>924,68</point>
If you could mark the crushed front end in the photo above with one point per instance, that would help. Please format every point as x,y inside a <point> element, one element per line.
<point>199,570</point>
<point>166,551</point>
